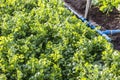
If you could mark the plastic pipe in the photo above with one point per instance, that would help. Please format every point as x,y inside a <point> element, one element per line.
<point>111,32</point>
<point>88,23</point>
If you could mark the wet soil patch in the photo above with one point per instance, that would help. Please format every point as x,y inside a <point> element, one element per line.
<point>107,22</point>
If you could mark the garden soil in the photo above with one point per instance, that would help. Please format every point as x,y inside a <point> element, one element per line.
<point>107,22</point>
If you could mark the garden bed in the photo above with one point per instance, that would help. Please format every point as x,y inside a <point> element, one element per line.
<point>108,22</point>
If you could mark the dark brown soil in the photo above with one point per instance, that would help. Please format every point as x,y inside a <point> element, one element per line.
<point>108,22</point>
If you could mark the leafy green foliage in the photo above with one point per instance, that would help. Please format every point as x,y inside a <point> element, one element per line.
<point>41,40</point>
<point>107,6</point>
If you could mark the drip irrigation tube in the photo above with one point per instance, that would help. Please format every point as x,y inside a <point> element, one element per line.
<point>89,24</point>
<point>111,32</point>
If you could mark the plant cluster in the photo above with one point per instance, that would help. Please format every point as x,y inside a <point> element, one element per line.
<point>41,40</point>
<point>107,6</point>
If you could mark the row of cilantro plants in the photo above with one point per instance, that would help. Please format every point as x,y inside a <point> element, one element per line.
<point>107,6</point>
<point>41,40</point>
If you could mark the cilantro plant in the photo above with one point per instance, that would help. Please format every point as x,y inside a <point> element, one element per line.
<point>41,40</point>
<point>107,6</point>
